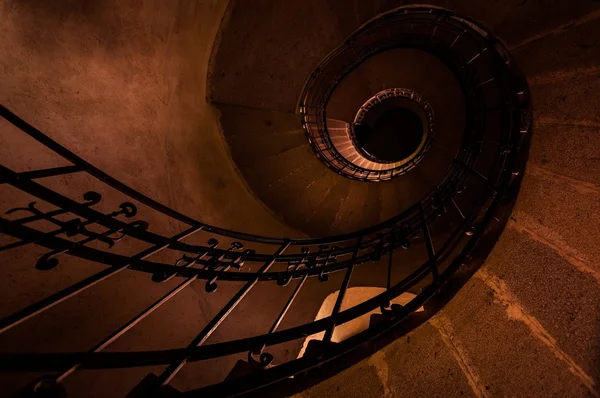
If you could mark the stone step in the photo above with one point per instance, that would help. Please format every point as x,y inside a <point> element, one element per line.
<point>499,347</point>
<point>256,134</point>
<point>535,19</point>
<point>350,216</point>
<point>301,209</point>
<point>569,52</point>
<point>557,292</point>
<point>328,209</point>
<point>418,364</point>
<point>564,214</point>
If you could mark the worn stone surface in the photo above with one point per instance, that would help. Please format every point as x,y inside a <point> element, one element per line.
<point>540,18</point>
<point>571,51</point>
<point>567,153</point>
<point>361,381</point>
<point>573,96</point>
<point>562,213</point>
<point>563,299</point>
<point>507,358</point>
<point>418,364</point>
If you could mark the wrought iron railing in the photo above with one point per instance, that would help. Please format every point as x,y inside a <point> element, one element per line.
<point>475,57</point>
<point>429,130</point>
<point>443,228</point>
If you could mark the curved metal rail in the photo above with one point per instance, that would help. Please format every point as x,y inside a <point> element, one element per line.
<point>444,226</point>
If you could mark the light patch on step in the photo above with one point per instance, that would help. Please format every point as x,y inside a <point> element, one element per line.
<point>444,327</point>
<point>515,311</point>
<point>353,297</point>
<point>522,223</point>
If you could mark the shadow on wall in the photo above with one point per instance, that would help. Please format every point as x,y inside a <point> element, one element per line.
<point>43,21</point>
<point>50,27</point>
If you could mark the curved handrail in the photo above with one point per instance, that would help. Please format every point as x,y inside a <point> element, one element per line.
<point>314,110</point>
<point>316,258</point>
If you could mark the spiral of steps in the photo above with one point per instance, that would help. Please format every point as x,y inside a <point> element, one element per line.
<point>276,160</point>
<point>199,106</point>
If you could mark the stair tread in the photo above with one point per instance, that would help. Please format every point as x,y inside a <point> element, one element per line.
<point>573,97</point>
<point>571,52</point>
<point>523,359</point>
<point>563,210</point>
<point>563,299</point>
<point>351,215</point>
<point>278,193</point>
<point>420,359</point>
<point>300,210</point>
<point>520,26</point>
<point>319,224</point>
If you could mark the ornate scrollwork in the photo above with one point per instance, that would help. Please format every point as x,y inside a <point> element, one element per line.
<point>400,236</point>
<point>293,267</point>
<point>379,248</point>
<point>216,263</point>
<point>184,261</point>
<point>322,259</point>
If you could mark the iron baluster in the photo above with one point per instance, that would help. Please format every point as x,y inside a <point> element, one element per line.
<point>389,270</point>
<point>138,318</point>
<point>318,91</point>
<point>458,209</point>
<point>174,368</point>
<point>184,262</point>
<point>474,172</point>
<point>217,262</point>
<point>380,247</point>
<point>486,81</point>
<point>293,266</point>
<point>439,205</point>
<point>49,302</point>
<point>429,244</point>
<point>323,260</point>
<point>265,359</point>
<point>338,303</point>
<point>401,235</point>
<point>457,37</point>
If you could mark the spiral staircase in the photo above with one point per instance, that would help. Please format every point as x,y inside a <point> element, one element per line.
<point>313,198</point>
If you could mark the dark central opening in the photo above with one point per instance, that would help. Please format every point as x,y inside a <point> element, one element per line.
<point>391,135</point>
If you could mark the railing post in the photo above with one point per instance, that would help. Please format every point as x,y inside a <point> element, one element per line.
<point>430,249</point>
<point>169,373</point>
<point>340,298</point>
